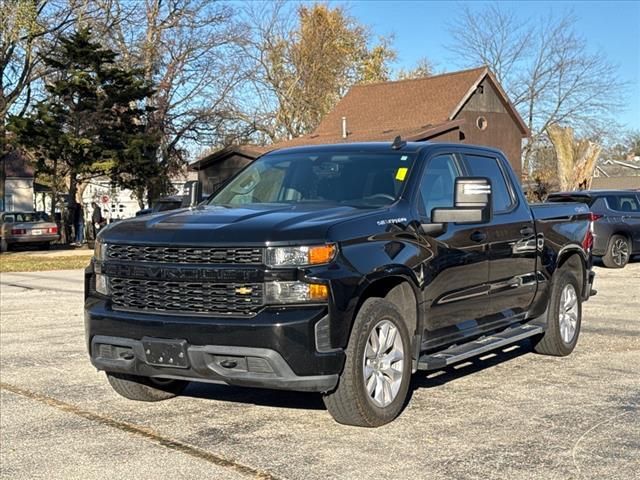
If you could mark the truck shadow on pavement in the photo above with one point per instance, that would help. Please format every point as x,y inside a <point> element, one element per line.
<point>313,401</point>
<point>436,378</point>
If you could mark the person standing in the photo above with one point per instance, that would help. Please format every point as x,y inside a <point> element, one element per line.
<point>97,220</point>
<point>78,223</point>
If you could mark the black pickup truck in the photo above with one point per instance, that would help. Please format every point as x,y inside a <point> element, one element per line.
<point>339,269</point>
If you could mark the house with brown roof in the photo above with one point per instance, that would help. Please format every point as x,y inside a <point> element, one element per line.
<point>468,106</point>
<point>16,182</point>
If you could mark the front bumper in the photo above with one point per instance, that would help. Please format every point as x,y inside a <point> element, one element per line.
<point>274,349</point>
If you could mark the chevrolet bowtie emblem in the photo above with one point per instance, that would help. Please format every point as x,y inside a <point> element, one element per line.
<point>244,290</point>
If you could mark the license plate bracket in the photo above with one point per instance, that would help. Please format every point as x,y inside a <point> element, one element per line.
<point>166,353</point>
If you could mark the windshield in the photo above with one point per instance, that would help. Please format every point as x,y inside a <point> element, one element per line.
<point>357,179</point>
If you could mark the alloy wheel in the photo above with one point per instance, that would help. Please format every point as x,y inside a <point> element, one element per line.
<point>383,363</point>
<point>620,252</point>
<point>568,314</point>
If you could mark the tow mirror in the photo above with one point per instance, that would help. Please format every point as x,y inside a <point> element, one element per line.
<point>472,202</point>
<point>192,194</point>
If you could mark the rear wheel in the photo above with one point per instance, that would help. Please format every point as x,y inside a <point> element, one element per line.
<point>373,386</point>
<point>618,252</point>
<point>145,389</point>
<point>564,317</point>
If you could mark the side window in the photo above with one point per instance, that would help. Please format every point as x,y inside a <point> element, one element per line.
<point>436,188</point>
<point>489,167</point>
<point>623,203</point>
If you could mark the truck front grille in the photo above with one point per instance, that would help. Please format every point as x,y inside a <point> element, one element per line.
<point>190,255</point>
<point>227,299</point>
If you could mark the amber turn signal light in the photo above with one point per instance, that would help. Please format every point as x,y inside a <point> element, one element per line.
<point>321,254</point>
<point>318,291</point>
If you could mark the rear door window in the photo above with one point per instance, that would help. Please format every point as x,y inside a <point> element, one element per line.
<point>623,203</point>
<point>481,166</point>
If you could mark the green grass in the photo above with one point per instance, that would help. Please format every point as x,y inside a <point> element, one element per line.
<point>33,263</point>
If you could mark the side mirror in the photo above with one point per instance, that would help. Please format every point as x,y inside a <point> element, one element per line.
<point>192,194</point>
<point>472,202</point>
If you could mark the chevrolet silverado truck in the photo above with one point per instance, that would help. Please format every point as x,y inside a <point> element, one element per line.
<point>338,269</point>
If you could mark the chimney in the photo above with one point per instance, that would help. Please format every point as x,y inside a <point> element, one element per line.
<point>344,127</point>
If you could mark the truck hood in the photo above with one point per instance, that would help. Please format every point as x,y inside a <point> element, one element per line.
<point>254,224</point>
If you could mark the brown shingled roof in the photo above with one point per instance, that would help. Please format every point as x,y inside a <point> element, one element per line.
<point>401,105</point>
<point>415,109</point>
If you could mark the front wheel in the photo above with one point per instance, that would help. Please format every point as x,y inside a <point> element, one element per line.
<point>373,386</point>
<point>145,389</point>
<point>564,317</point>
<point>618,252</point>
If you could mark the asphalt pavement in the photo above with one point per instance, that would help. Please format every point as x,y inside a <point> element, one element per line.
<point>513,414</point>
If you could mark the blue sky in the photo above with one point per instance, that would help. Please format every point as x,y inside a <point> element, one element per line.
<point>420,30</point>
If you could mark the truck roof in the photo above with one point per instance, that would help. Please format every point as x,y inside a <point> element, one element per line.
<point>412,147</point>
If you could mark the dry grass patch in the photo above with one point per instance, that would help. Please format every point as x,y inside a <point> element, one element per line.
<point>34,263</point>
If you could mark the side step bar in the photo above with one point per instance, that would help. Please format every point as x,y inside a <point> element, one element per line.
<point>457,353</point>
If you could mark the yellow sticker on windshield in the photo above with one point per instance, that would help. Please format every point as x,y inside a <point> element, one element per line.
<point>401,174</point>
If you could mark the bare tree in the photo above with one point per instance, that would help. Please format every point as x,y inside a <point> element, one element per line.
<point>28,29</point>
<point>423,68</point>
<point>544,65</point>
<point>189,51</point>
<point>304,61</point>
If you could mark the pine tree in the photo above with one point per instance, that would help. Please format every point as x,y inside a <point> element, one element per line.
<point>90,122</point>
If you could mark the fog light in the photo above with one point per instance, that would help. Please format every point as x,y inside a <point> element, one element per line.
<point>318,292</point>
<point>102,284</point>
<point>295,292</point>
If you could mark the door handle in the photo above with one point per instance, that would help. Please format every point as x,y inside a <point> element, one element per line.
<point>527,231</point>
<point>478,236</point>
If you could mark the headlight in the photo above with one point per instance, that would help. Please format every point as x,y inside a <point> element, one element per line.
<point>100,251</point>
<point>295,292</point>
<point>300,256</point>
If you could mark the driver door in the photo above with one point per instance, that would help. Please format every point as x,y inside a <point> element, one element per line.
<point>456,278</point>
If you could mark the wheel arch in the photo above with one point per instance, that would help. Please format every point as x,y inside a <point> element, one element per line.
<point>574,260</point>
<point>399,288</point>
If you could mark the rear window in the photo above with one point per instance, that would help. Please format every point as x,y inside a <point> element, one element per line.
<point>572,198</point>
<point>26,217</point>
<point>623,203</point>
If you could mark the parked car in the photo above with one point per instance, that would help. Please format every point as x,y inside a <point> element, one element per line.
<point>339,269</point>
<point>162,205</point>
<point>35,228</point>
<point>616,226</point>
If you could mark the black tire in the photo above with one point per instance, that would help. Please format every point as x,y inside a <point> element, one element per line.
<point>552,342</point>
<point>618,252</point>
<point>4,245</point>
<point>145,389</point>
<point>350,403</point>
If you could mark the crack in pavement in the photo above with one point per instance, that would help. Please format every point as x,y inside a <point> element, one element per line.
<point>29,287</point>
<point>140,431</point>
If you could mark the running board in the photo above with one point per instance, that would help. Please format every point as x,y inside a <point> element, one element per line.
<point>457,353</point>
